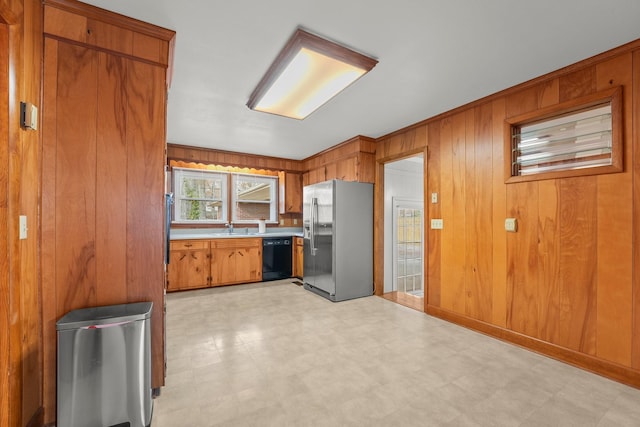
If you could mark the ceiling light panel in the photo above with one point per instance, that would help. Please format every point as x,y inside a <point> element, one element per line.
<point>307,73</point>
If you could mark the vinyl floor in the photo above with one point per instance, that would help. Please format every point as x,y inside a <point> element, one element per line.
<point>273,354</point>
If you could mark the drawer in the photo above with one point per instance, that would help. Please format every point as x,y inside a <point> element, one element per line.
<point>181,245</point>
<point>243,242</point>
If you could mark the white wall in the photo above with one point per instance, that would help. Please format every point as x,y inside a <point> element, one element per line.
<point>404,179</point>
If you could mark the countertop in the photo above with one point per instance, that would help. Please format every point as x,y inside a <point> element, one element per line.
<point>239,232</point>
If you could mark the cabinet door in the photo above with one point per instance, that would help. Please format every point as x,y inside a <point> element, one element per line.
<point>330,172</point>
<point>347,169</point>
<point>189,265</point>
<point>317,175</point>
<point>294,260</point>
<point>236,261</point>
<point>249,264</point>
<point>223,266</point>
<point>290,185</point>
<point>299,260</point>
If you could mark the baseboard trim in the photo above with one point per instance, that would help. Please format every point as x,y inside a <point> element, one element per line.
<point>584,361</point>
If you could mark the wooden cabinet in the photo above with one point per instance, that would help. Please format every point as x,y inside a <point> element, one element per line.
<point>290,185</point>
<point>353,160</point>
<point>214,262</point>
<point>236,261</point>
<point>298,257</point>
<point>314,176</point>
<point>346,169</point>
<point>189,265</point>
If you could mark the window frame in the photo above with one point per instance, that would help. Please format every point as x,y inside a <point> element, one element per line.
<point>178,172</point>
<point>273,204</point>
<point>228,197</point>
<point>612,96</point>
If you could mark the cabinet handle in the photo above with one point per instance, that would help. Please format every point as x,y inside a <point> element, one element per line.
<point>182,257</point>
<point>187,245</point>
<point>231,254</point>
<point>194,256</point>
<point>240,253</point>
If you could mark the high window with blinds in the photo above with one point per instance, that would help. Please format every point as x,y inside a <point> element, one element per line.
<point>578,138</point>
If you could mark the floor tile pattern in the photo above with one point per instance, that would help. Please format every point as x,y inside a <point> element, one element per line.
<point>273,354</point>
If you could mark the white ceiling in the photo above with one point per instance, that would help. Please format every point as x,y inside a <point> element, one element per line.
<point>434,55</point>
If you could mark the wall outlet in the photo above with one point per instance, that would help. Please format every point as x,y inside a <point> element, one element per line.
<point>295,221</point>
<point>23,227</point>
<point>437,224</point>
<point>434,198</point>
<point>511,225</point>
<point>282,222</point>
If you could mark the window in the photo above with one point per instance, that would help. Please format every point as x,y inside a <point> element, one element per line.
<point>200,196</point>
<point>581,137</point>
<point>253,198</point>
<point>212,197</point>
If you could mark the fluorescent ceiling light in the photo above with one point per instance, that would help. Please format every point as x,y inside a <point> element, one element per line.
<point>307,73</point>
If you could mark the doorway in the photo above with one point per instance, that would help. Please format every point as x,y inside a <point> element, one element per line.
<point>404,232</point>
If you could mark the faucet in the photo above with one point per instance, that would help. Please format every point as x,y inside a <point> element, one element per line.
<point>229,225</point>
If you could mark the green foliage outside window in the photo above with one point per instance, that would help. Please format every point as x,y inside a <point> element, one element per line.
<point>191,192</point>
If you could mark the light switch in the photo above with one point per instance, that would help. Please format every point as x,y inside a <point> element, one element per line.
<point>28,116</point>
<point>437,224</point>
<point>434,198</point>
<point>511,225</point>
<point>23,227</point>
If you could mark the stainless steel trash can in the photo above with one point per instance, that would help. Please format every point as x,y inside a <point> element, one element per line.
<point>104,366</point>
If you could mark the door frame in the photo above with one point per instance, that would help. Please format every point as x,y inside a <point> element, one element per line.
<point>378,216</point>
<point>5,329</point>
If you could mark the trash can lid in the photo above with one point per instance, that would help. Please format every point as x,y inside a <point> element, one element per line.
<point>95,316</point>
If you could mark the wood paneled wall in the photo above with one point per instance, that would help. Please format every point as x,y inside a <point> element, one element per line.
<point>567,283</point>
<point>20,325</point>
<point>103,127</point>
<point>228,158</point>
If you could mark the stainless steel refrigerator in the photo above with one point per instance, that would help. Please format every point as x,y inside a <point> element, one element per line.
<point>338,239</point>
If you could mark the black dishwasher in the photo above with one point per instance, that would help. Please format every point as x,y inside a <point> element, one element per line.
<point>276,258</point>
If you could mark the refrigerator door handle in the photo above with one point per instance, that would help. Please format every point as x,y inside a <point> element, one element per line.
<point>314,202</point>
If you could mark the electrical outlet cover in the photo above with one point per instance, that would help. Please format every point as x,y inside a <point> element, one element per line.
<point>23,227</point>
